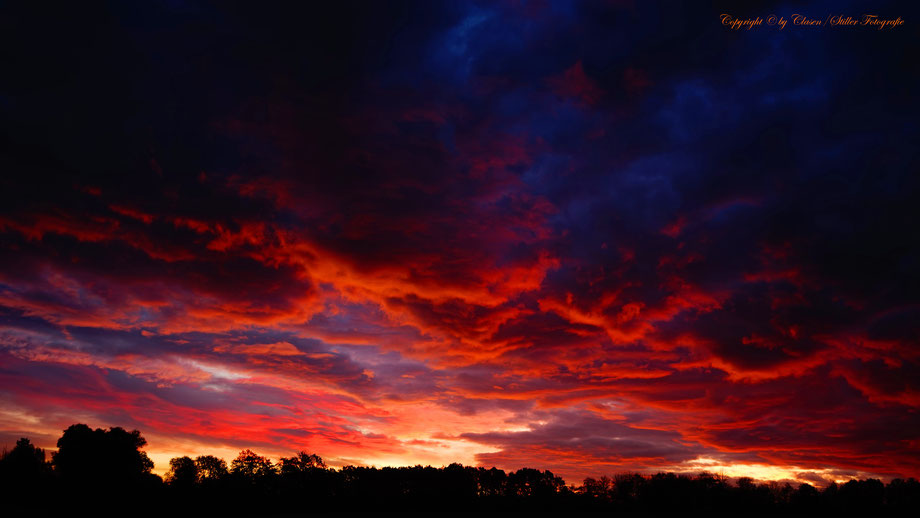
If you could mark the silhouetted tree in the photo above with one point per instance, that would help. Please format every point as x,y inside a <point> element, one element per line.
<point>903,496</point>
<point>104,470</point>
<point>626,490</point>
<point>458,485</point>
<point>529,483</point>
<point>211,468</point>
<point>491,482</point>
<point>301,463</point>
<point>710,491</point>
<point>806,499</point>
<point>305,474</point>
<point>599,489</point>
<point>781,493</point>
<point>183,472</point>
<point>25,460</point>
<point>24,473</point>
<point>861,496</point>
<point>251,466</point>
<point>111,456</point>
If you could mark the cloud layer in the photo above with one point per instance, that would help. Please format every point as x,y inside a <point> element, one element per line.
<point>590,237</point>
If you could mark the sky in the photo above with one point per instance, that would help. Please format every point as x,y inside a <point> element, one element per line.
<point>590,237</point>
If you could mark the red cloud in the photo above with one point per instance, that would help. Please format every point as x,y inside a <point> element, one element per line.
<point>576,84</point>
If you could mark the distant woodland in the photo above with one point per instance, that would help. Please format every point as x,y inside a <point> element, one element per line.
<point>106,472</point>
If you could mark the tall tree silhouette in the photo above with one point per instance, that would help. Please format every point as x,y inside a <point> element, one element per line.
<point>301,463</point>
<point>251,466</point>
<point>24,471</point>
<point>211,468</point>
<point>24,459</point>
<point>598,488</point>
<point>183,472</point>
<point>110,456</point>
<point>533,483</point>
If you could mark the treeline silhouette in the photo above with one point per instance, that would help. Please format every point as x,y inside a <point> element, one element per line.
<point>105,471</point>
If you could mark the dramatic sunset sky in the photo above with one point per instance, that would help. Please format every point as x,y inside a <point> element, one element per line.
<point>589,237</point>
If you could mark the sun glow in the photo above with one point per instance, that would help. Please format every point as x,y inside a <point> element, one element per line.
<point>761,472</point>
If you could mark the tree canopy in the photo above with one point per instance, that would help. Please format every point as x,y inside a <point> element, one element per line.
<point>91,463</point>
<point>112,455</point>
